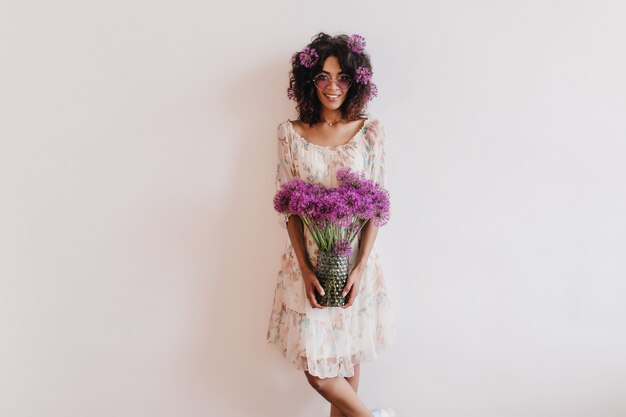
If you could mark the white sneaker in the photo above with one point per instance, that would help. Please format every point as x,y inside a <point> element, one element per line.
<point>383,412</point>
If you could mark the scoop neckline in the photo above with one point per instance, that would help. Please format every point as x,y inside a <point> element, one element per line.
<point>329,148</point>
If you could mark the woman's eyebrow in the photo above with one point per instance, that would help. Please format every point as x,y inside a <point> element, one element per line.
<point>340,72</point>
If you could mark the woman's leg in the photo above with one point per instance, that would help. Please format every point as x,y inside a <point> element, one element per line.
<point>340,393</point>
<point>354,383</point>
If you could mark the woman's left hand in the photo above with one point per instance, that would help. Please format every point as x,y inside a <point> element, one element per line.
<point>352,286</point>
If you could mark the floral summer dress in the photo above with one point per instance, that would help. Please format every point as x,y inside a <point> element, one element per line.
<point>328,342</point>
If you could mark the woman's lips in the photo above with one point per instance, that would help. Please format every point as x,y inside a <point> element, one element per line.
<point>332,97</point>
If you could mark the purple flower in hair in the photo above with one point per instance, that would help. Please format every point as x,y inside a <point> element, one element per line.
<point>363,75</point>
<point>356,43</point>
<point>308,57</point>
<point>342,247</point>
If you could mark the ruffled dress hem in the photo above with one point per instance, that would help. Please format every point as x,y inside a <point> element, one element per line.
<point>370,332</point>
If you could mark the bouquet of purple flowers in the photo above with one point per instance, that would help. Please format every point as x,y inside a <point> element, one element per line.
<point>335,215</point>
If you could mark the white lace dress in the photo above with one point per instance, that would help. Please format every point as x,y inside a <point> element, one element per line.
<point>329,342</point>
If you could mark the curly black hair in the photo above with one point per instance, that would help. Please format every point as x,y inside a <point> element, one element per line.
<point>302,90</point>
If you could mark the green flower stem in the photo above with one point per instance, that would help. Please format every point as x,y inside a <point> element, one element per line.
<point>359,229</point>
<point>326,236</point>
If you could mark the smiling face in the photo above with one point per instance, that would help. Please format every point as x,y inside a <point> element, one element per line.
<point>332,97</point>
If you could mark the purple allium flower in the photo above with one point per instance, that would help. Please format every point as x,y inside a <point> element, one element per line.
<point>283,196</point>
<point>315,189</point>
<point>308,57</point>
<point>356,43</point>
<point>295,202</point>
<point>363,75</point>
<point>380,202</point>
<point>324,210</point>
<point>352,199</point>
<point>380,218</point>
<point>380,196</point>
<point>365,198</point>
<point>337,211</point>
<point>365,210</point>
<point>373,92</point>
<point>344,174</point>
<point>342,247</point>
<point>281,201</point>
<point>304,200</point>
<point>348,178</point>
<point>290,94</point>
<point>294,184</point>
<point>315,193</point>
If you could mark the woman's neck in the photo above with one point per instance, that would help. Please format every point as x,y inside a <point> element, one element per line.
<point>330,116</point>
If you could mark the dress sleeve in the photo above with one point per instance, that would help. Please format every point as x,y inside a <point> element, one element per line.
<point>378,169</point>
<point>284,168</point>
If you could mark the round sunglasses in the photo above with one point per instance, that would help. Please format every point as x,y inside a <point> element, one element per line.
<point>322,81</point>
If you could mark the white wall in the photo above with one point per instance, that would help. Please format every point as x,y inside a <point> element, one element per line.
<point>139,249</point>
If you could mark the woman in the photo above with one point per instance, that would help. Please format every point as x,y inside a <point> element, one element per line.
<point>331,82</point>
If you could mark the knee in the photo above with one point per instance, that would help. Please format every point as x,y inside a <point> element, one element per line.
<point>319,384</point>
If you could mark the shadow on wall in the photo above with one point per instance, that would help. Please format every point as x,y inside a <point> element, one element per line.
<point>230,369</point>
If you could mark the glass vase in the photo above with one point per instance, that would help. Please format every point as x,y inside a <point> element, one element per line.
<point>332,272</point>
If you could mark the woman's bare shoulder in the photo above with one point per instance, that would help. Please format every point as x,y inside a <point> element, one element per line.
<point>299,127</point>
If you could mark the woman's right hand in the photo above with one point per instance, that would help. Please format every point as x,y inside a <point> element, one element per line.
<point>311,283</point>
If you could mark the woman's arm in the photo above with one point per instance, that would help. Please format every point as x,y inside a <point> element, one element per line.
<point>295,229</point>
